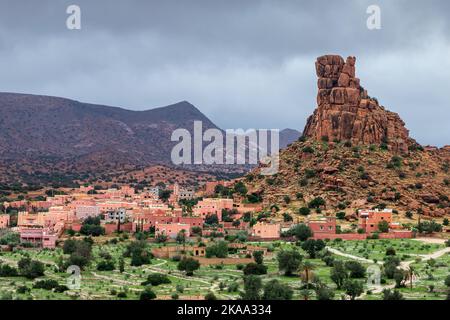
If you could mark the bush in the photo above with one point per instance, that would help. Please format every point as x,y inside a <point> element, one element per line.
<point>189,265</point>
<point>304,211</point>
<point>146,295</point>
<point>316,203</point>
<point>31,269</point>
<point>356,269</point>
<point>46,284</point>
<point>210,296</point>
<point>106,265</point>
<point>219,250</point>
<point>156,279</point>
<point>255,269</point>
<point>308,150</point>
<point>340,215</point>
<point>8,271</point>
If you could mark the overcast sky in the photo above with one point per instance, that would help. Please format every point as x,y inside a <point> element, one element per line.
<point>245,64</point>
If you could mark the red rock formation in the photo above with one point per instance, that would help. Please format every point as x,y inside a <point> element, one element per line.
<point>346,112</point>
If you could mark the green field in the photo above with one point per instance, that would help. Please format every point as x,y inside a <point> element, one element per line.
<point>217,279</point>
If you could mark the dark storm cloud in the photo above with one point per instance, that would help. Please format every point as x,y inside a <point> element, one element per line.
<point>243,63</point>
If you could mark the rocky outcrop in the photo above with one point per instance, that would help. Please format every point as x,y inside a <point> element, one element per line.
<point>345,111</point>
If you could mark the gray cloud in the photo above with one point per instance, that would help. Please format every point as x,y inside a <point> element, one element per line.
<point>243,63</point>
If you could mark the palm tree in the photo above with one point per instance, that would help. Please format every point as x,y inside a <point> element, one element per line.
<point>307,268</point>
<point>306,294</point>
<point>410,275</point>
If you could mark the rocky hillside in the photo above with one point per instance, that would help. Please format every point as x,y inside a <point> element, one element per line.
<point>355,154</point>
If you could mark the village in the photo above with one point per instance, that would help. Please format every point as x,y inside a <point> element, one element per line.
<point>220,236</point>
<point>43,223</point>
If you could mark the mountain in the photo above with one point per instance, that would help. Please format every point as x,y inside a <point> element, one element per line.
<point>287,136</point>
<point>44,137</point>
<point>41,134</point>
<point>356,154</point>
<point>55,127</point>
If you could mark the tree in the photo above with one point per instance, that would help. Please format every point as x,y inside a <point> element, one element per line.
<point>121,265</point>
<point>353,288</point>
<point>390,265</point>
<point>340,215</point>
<point>392,295</point>
<point>313,246</point>
<point>82,254</point>
<point>161,238</point>
<point>289,261</point>
<point>138,251</point>
<point>106,265</point>
<point>211,219</point>
<point>447,281</point>
<point>338,274</point>
<point>258,256</point>
<point>189,265</point>
<point>410,274</point>
<point>91,227</point>
<point>219,250</point>
<point>399,278</point>
<point>383,226</point>
<point>240,188</point>
<point>8,271</point>
<point>31,269</point>
<point>147,294</point>
<point>307,268</point>
<point>390,251</point>
<point>275,290</point>
<point>210,296</point>
<point>316,203</point>
<point>252,288</point>
<point>254,269</point>
<point>287,217</point>
<point>429,227</point>
<point>301,231</point>
<point>304,211</point>
<point>156,279</point>
<point>181,238</point>
<point>306,294</point>
<point>357,270</point>
<point>323,293</point>
<point>69,246</point>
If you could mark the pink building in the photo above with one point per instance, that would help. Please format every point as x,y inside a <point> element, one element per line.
<point>172,229</point>
<point>212,206</point>
<point>266,230</point>
<point>39,236</point>
<point>324,226</point>
<point>370,219</point>
<point>4,221</point>
<point>82,212</point>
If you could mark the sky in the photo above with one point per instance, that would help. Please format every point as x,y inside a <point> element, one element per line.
<point>244,64</point>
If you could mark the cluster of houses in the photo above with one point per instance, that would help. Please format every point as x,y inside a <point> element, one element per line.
<point>43,222</point>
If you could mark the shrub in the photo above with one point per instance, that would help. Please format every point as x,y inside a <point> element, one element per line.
<point>255,269</point>
<point>340,215</point>
<point>156,279</point>
<point>304,211</point>
<point>308,150</point>
<point>316,203</point>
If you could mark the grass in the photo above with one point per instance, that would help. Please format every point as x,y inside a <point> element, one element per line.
<point>105,285</point>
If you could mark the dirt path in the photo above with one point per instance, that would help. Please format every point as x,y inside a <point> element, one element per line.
<point>350,256</point>
<point>404,265</point>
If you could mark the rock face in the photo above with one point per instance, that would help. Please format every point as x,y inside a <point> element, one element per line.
<point>345,112</point>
